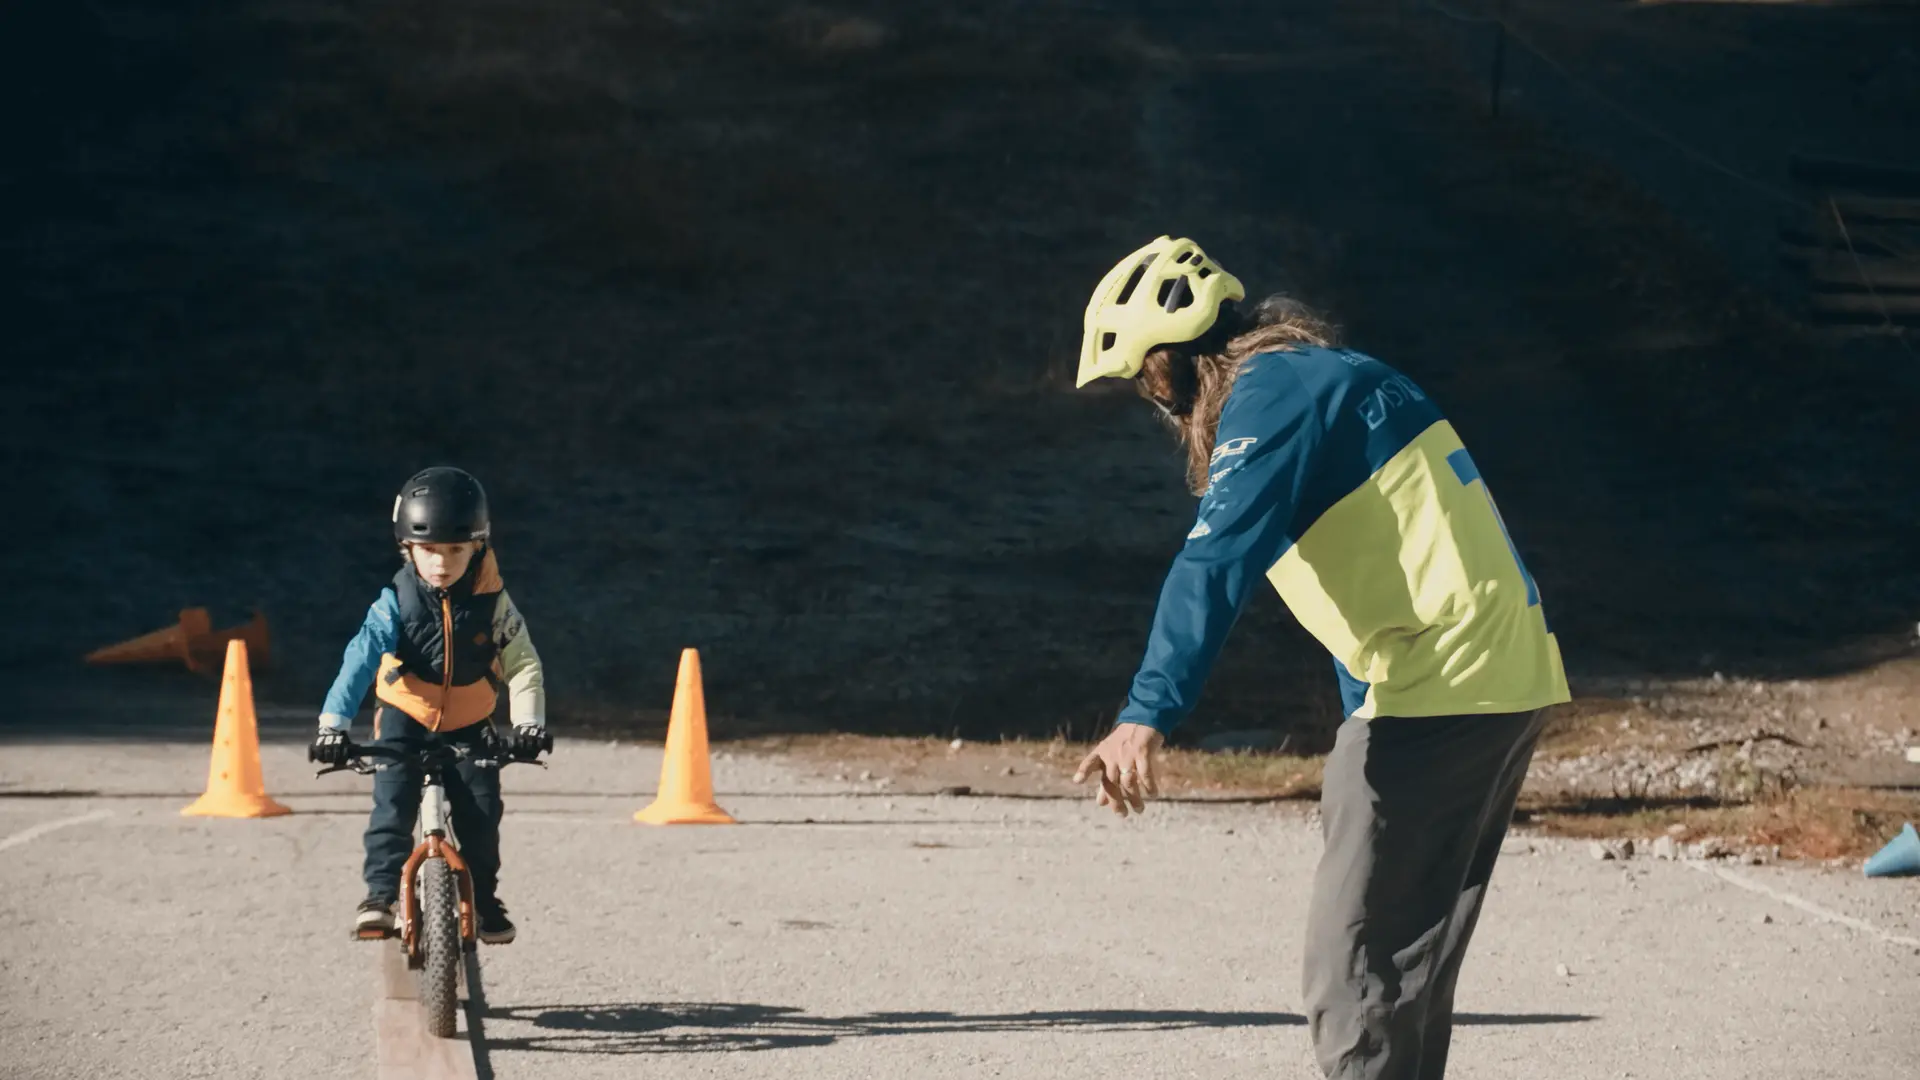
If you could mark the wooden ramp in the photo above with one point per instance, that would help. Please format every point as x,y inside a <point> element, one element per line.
<point>403,1050</point>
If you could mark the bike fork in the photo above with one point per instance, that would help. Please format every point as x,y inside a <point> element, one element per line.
<point>436,845</point>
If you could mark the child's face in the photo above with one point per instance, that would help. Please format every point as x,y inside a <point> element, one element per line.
<point>440,565</point>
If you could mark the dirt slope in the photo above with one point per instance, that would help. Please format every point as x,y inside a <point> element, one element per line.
<point>757,320</point>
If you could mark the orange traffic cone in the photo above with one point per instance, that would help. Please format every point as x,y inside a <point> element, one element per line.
<point>206,649</point>
<point>686,780</point>
<point>173,643</point>
<point>234,788</point>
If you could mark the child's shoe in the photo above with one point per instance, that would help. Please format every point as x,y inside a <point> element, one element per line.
<point>495,927</point>
<point>374,919</point>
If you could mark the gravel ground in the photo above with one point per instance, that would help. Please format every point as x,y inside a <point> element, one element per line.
<point>854,933</point>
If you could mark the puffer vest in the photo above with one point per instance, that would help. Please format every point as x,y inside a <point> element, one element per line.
<point>444,670</point>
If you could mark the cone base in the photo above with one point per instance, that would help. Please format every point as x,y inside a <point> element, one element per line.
<point>683,814</point>
<point>234,806</point>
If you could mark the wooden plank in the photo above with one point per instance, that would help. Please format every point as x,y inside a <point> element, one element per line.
<point>404,1051</point>
<point>402,1048</point>
<point>396,981</point>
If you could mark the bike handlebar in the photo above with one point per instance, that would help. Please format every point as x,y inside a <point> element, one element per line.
<point>428,757</point>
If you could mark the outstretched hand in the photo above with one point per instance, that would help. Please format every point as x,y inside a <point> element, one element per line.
<point>1124,763</point>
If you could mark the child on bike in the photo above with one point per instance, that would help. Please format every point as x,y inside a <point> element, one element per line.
<point>436,647</point>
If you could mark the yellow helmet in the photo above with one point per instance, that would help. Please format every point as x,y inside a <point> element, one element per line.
<point>1164,294</point>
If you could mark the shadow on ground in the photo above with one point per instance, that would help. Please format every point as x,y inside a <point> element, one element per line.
<point>713,1028</point>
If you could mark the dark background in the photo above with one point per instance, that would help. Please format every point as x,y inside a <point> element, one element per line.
<point>758,322</point>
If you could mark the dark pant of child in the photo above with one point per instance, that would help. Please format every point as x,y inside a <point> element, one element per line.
<point>473,795</point>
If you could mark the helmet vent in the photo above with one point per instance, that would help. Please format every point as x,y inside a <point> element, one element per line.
<point>1205,272</point>
<point>1176,294</point>
<point>1107,340</point>
<point>1133,282</point>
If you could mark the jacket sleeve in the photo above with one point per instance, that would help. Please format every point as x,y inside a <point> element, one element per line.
<point>520,666</point>
<point>1263,453</point>
<point>378,634</point>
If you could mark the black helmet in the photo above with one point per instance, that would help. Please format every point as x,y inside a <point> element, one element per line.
<point>441,505</point>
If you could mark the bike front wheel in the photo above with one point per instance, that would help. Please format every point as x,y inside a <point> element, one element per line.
<point>440,946</point>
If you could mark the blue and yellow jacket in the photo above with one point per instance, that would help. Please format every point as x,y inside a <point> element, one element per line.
<point>441,656</point>
<point>1336,478</point>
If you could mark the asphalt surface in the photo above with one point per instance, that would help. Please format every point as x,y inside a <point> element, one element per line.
<point>847,931</point>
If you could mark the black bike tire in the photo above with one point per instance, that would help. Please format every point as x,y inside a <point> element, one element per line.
<point>439,947</point>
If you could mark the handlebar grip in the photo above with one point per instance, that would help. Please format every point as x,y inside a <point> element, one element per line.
<point>354,763</point>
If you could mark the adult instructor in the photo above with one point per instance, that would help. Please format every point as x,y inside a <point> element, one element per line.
<point>1336,478</point>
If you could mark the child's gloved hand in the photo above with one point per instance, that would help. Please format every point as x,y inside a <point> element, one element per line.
<point>528,741</point>
<point>329,747</point>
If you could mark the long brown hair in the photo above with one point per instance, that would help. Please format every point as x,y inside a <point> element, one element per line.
<point>1191,382</point>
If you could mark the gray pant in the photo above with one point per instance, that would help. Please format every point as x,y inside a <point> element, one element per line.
<point>1413,812</point>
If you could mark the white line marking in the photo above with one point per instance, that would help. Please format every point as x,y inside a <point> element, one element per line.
<point>1807,906</point>
<point>45,827</point>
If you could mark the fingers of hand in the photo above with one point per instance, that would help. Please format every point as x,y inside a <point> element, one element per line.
<point>1130,786</point>
<point>1125,776</point>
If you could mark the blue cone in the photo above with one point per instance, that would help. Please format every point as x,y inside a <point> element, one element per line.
<point>1899,858</point>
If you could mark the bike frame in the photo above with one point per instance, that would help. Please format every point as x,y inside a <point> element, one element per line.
<point>434,828</point>
<point>437,841</point>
